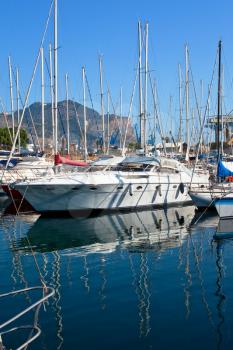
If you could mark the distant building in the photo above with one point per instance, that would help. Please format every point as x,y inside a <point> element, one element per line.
<point>170,147</point>
<point>226,121</point>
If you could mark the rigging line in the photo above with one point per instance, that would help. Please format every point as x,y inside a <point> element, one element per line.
<point>78,121</point>
<point>130,108</point>
<point>114,114</point>
<point>92,105</point>
<point>156,113</point>
<point>58,106</point>
<point>30,84</point>
<point>204,117</point>
<point>33,124</point>
<point>195,94</point>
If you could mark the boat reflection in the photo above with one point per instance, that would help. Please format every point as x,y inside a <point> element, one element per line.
<point>136,231</point>
<point>224,229</point>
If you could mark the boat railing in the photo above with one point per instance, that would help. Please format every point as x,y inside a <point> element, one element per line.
<point>35,330</point>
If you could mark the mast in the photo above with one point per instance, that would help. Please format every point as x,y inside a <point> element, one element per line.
<point>42,96</point>
<point>121,118</point>
<point>154,90</point>
<point>108,125</point>
<point>181,106</point>
<point>201,98</point>
<point>145,89</point>
<point>11,97</point>
<point>102,103</point>
<point>18,98</point>
<point>52,92</point>
<point>55,77</point>
<point>84,113</point>
<point>187,100</point>
<point>140,84</point>
<point>219,97</point>
<point>170,114</point>
<point>222,99</point>
<point>67,115</point>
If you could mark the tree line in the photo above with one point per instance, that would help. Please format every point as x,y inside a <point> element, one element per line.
<point>6,137</point>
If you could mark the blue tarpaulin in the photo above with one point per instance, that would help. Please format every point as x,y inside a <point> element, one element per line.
<point>223,171</point>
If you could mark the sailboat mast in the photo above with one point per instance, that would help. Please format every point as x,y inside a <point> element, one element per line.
<point>187,99</point>
<point>219,96</point>
<point>121,119</point>
<point>145,88</point>
<point>202,134</point>
<point>222,97</point>
<point>102,103</point>
<point>181,105</point>
<point>42,97</point>
<point>18,98</point>
<point>55,77</point>
<point>11,97</point>
<point>52,92</point>
<point>108,125</point>
<point>140,84</point>
<point>67,115</point>
<point>84,113</point>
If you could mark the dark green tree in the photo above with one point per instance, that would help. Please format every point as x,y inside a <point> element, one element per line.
<point>5,139</point>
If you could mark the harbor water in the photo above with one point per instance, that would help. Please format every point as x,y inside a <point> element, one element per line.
<point>155,279</point>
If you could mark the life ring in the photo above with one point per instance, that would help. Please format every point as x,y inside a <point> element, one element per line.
<point>229,179</point>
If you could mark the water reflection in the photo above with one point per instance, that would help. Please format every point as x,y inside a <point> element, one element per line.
<point>224,229</point>
<point>137,238</point>
<point>135,231</point>
<point>219,294</point>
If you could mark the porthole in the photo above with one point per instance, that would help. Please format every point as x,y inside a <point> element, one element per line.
<point>139,187</point>
<point>93,188</point>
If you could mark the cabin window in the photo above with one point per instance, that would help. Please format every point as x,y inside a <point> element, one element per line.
<point>93,188</point>
<point>139,187</point>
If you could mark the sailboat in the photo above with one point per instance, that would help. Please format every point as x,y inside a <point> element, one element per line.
<point>206,195</point>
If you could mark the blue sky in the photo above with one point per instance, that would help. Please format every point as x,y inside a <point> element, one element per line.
<point>87,28</point>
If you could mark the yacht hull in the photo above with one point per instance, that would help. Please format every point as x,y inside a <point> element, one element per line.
<point>224,207</point>
<point>202,199</point>
<point>115,193</point>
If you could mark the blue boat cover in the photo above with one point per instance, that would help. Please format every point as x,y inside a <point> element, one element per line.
<point>223,171</point>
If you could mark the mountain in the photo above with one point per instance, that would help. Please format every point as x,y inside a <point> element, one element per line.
<point>76,122</point>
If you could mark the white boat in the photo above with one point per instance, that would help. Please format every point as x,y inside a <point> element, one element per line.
<point>224,205</point>
<point>136,182</point>
<point>204,196</point>
<point>30,168</point>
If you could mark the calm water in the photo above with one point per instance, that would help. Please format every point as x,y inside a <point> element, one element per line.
<point>144,280</point>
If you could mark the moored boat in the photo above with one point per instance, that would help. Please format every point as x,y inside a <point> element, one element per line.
<point>136,182</point>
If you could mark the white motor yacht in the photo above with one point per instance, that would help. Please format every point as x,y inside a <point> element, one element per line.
<point>134,182</point>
